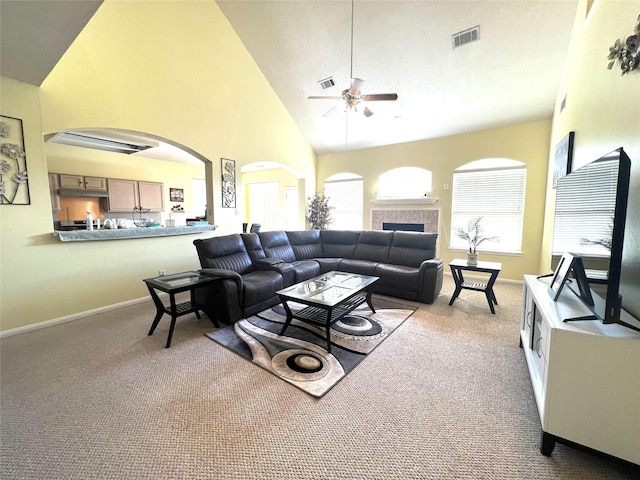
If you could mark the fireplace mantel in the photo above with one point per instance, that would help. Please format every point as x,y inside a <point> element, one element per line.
<point>404,201</point>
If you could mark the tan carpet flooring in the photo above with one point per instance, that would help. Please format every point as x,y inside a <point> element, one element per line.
<point>446,396</point>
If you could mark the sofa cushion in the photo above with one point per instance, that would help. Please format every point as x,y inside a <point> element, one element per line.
<point>398,277</point>
<point>260,287</point>
<point>363,267</point>
<point>305,244</point>
<point>276,245</point>
<point>338,243</point>
<point>305,269</point>
<point>253,246</point>
<point>226,252</point>
<point>373,245</point>
<point>328,264</point>
<point>412,248</point>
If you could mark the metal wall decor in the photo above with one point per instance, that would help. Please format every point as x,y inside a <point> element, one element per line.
<point>228,183</point>
<point>14,182</point>
<point>626,52</point>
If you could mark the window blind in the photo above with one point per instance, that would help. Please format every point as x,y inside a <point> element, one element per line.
<point>496,195</point>
<point>346,198</point>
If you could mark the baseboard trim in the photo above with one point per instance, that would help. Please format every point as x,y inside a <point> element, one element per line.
<point>72,317</point>
<point>127,303</point>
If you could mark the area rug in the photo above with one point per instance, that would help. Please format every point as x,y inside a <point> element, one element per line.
<point>300,356</point>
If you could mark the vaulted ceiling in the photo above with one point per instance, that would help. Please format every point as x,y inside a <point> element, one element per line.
<point>510,75</point>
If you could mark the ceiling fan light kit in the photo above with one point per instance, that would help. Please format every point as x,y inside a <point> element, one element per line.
<point>353,96</point>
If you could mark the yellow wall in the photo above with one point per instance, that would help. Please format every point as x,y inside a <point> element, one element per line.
<point>172,69</point>
<point>528,143</point>
<point>603,108</point>
<point>134,68</point>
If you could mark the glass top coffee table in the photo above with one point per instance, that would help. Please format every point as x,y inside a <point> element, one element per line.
<point>329,297</point>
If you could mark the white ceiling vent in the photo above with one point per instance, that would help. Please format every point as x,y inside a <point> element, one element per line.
<point>101,141</point>
<point>327,83</point>
<point>466,36</point>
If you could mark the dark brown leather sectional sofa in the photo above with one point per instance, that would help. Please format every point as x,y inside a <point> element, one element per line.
<point>253,266</point>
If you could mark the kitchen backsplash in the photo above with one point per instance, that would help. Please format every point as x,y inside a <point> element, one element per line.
<point>76,208</point>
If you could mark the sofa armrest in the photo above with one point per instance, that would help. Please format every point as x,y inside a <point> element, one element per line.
<point>224,274</point>
<point>432,263</point>
<point>277,265</point>
<point>431,277</point>
<point>267,263</point>
<point>222,299</point>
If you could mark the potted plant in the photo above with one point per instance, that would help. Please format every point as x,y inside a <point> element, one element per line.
<point>319,213</point>
<point>474,234</point>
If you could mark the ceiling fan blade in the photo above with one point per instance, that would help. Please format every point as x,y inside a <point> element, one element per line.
<point>330,112</point>
<point>367,112</point>
<point>324,98</point>
<point>356,83</point>
<point>377,97</point>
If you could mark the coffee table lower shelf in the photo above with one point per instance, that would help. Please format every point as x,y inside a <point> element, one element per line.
<point>325,315</point>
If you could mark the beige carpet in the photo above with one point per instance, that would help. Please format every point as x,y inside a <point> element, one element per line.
<point>446,396</point>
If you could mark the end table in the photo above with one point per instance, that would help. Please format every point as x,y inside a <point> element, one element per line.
<point>173,284</point>
<point>493,268</point>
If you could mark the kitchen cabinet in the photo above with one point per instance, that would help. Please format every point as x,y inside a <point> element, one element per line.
<point>79,182</point>
<point>584,374</point>
<point>124,195</point>
<point>151,195</point>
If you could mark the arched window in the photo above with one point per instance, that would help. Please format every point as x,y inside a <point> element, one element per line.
<point>345,192</point>
<point>492,189</point>
<point>404,182</point>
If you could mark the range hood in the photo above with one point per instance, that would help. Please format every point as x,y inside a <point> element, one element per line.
<point>70,192</point>
<point>108,141</point>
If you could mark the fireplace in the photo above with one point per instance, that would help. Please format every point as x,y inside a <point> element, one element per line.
<point>416,220</point>
<point>406,227</point>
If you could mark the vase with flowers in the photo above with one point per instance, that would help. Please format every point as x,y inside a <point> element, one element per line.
<point>474,234</point>
<point>171,222</point>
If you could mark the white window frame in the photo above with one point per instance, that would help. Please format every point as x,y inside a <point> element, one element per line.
<point>493,189</point>
<point>199,197</point>
<point>264,205</point>
<point>348,211</point>
<point>291,207</point>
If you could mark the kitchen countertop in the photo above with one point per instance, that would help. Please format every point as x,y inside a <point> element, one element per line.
<point>124,233</point>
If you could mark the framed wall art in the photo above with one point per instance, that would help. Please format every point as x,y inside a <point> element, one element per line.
<point>14,182</point>
<point>176,194</point>
<point>228,183</point>
<point>563,157</point>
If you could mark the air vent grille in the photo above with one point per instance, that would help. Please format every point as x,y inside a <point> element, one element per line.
<point>466,36</point>
<point>327,83</point>
<point>99,142</point>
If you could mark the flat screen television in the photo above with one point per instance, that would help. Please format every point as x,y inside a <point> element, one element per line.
<point>590,217</point>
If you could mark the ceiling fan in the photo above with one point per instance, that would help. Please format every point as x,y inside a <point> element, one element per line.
<point>352,96</point>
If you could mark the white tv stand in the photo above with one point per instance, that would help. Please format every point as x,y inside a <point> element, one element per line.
<point>585,375</point>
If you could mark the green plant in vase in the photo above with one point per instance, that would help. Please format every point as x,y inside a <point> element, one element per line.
<point>474,234</point>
